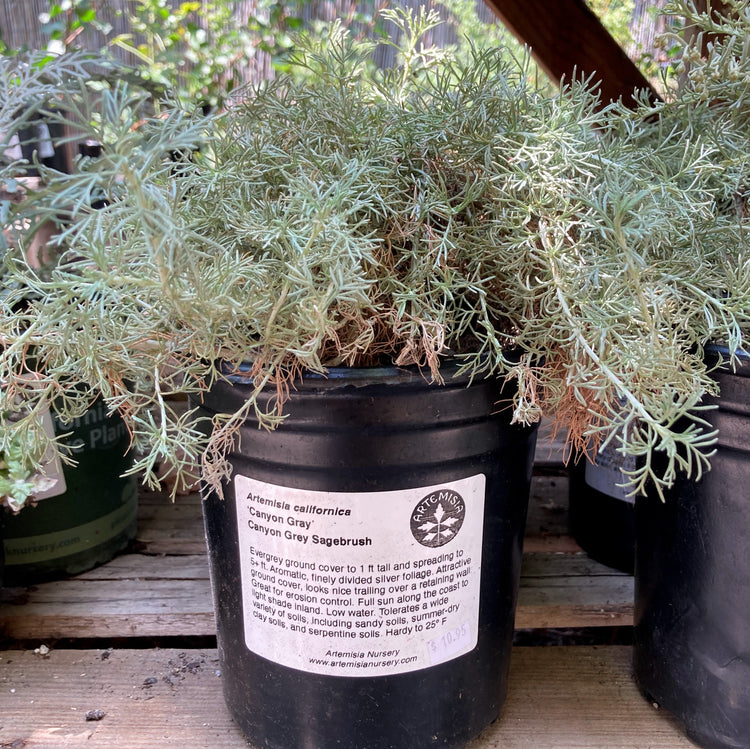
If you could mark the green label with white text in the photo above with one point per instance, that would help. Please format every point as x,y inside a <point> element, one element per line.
<point>42,548</point>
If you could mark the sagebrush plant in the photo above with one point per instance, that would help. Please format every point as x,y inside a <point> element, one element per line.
<point>26,84</point>
<point>713,100</point>
<point>439,209</point>
<point>710,103</point>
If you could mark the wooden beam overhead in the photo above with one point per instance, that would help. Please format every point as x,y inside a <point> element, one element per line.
<point>566,39</point>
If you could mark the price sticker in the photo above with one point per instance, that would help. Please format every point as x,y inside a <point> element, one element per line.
<point>453,640</point>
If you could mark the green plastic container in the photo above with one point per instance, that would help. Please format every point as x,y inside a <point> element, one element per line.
<point>90,522</point>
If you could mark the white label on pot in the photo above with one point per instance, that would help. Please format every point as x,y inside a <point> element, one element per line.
<point>360,584</point>
<point>51,477</point>
<point>606,474</point>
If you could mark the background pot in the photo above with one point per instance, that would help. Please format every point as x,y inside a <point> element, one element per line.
<point>403,639</point>
<point>692,652</point>
<point>601,514</point>
<point>90,522</point>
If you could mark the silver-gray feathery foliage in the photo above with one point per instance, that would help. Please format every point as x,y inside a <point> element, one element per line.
<point>440,209</point>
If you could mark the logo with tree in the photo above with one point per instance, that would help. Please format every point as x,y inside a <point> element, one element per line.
<point>437,519</point>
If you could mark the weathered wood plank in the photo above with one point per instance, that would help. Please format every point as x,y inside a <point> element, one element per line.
<point>147,568</point>
<point>547,521</point>
<point>558,565</point>
<point>571,590</point>
<point>551,544</point>
<point>166,527</point>
<point>79,608</point>
<point>567,37</point>
<point>569,605</point>
<point>559,698</point>
<point>131,596</point>
<point>142,596</point>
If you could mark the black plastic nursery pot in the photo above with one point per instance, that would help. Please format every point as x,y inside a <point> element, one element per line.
<point>601,512</point>
<point>692,652</point>
<point>365,561</point>
<point>90,522</point>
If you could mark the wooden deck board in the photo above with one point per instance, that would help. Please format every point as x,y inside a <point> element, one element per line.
<point>166,527</point>
<point>571,590</point>
<point>559,698</point>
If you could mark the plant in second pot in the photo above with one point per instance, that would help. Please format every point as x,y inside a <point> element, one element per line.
<point>393,275</point>
<point>80,513</point>
<point>692,622</point>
